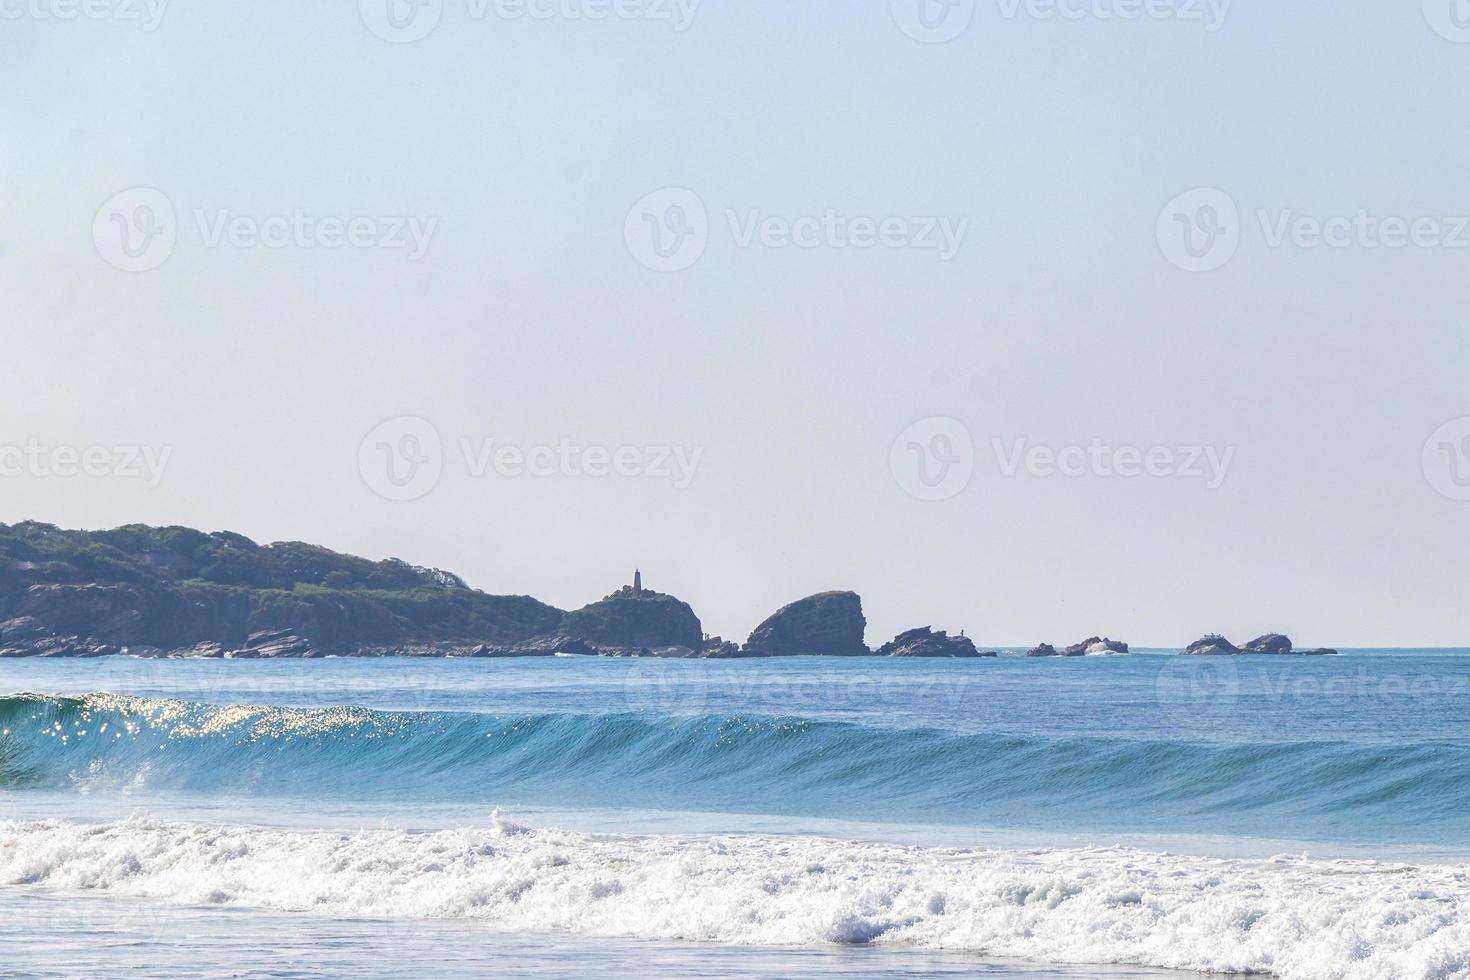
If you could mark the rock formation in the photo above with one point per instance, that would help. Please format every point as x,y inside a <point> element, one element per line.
<point>1093,646</point>
<point>178,592</point>
<point>637,619</point>
<point>1212,645</point>
<point>719,648</point>
<point>830,624</point>
<point>1271,644</point>
<point>175,591</point>
<point>924,642</point>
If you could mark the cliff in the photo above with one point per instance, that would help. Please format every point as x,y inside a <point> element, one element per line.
<point>829,624</point>
<point>174,589</point>
<point>637,620</point>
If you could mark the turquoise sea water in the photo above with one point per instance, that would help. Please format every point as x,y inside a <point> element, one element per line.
<point>769,817</point>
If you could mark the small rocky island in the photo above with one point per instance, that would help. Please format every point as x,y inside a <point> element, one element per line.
<point>1267,645</point>
<point>1093,646</point>
<point>924,642</point>
<point>830,624</point>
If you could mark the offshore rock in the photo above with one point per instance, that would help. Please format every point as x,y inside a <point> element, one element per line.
<point>925,642</point>
<point>830,624</point>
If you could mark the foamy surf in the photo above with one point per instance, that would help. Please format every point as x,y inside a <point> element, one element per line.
<point>1293,917</point>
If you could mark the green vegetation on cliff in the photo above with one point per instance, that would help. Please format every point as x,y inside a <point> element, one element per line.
<point>175,586</point>
<point>637,619</point>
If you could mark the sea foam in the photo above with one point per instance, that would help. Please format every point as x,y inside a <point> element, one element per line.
<point>1290,916</point>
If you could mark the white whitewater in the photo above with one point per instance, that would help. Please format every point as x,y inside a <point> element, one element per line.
<point>1297,918</point>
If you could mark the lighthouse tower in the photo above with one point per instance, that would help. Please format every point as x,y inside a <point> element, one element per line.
<point>637,582</point>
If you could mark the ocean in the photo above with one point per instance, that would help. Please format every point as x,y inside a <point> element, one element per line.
<point>1126,816</point>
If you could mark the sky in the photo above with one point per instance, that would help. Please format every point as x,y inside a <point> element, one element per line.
<point>1034,319</point>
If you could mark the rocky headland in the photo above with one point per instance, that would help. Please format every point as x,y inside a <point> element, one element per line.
<point>179,592</point>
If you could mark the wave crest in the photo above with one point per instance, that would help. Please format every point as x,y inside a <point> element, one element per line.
<point>1415,791</point>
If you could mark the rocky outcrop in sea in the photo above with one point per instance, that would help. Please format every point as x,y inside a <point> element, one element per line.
<point>1270,644</point>
<point>925,642</point>
<point>830,624</point>
<point>1093,646</point>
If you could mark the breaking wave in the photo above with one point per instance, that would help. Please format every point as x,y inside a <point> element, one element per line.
<point>1411,791</point>
<point>1288,916</point>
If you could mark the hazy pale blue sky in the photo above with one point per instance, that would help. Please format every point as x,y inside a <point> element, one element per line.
<point>1063,317</point>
